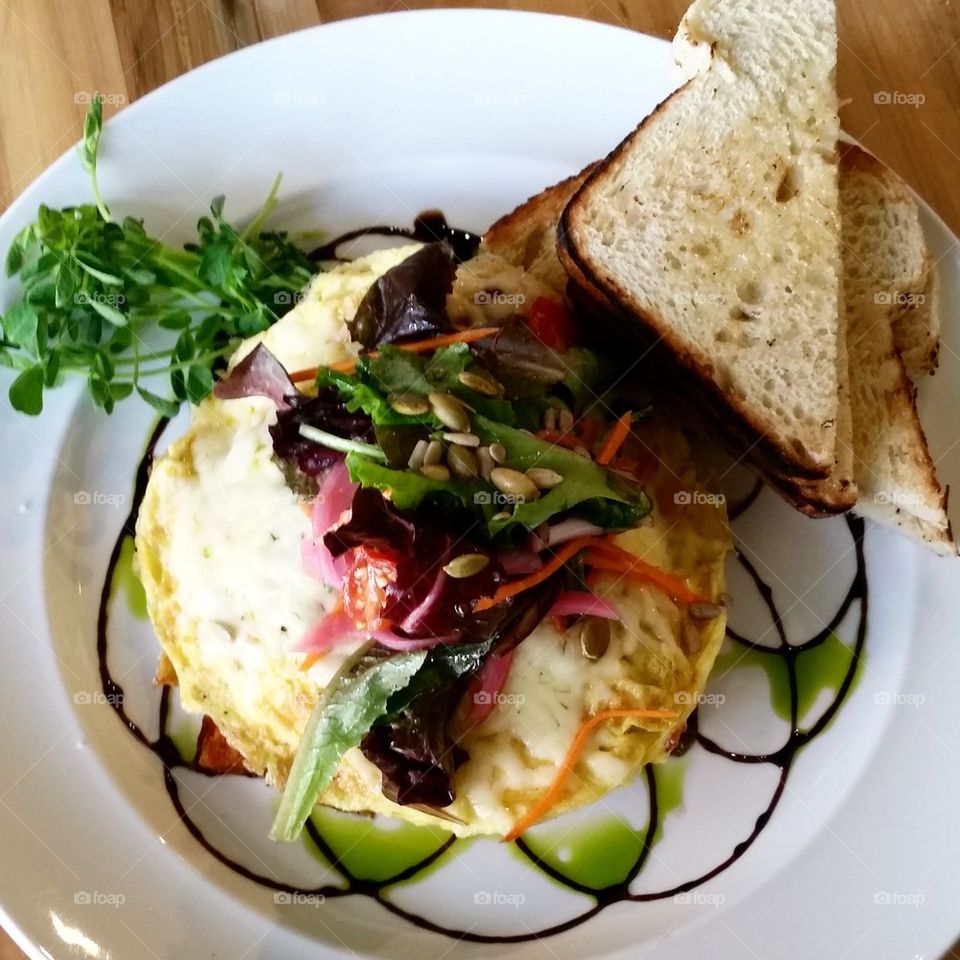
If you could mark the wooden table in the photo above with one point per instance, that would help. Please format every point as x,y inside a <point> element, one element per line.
<point>899,71</point>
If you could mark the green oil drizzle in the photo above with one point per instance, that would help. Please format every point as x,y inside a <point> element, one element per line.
<point>669,779</point>
<point>601,852</point>
<point>376,848</point>
<point>823,668</point>
<point>126,580</point>
<point>597,854</point>
<point>735,657</point>
<point>819,668</point>
<point>185,740</point>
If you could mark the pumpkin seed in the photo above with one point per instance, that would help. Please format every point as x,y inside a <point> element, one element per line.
<point>594,637</point>
<point>435,471</point>
<point>515,483</point>
<point>433,454</point>
<point>705,611</point>
<point>479,381</point>
<point>466,565</point>
<point>499,452</point>
<point>462,463</point>
<point>409,404</point>
<point>501,516</point>
<point>449,411</point>
<point>544,478</point>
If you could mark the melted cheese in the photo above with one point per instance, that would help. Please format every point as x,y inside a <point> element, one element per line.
<point>219,539</point>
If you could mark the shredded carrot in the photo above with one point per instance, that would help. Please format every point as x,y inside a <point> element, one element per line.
<point>560,439</point>
<point>514,587</point>
<point>418,346</point>
<point>555,790</point>
<point>618,433</point>
<point>309,660</point>
<point>608,557</point>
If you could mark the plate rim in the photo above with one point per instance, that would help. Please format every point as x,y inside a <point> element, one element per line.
<point>18,930</point>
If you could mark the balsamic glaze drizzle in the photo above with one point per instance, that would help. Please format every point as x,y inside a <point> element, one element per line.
<point>433,226</point>
<point>428,227</point>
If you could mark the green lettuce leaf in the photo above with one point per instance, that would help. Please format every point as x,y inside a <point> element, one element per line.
<point>351,703</point>
<point>600,495</point>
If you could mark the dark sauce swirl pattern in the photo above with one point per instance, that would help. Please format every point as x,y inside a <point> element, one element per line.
<point>429,227</point>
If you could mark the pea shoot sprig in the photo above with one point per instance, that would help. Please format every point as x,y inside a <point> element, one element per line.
<point>93,287</point>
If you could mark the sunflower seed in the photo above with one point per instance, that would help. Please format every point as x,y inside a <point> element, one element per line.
<point>545,479</point>
<point>550,418</point>
<point>449,411</point>
<point>501,516</point>
<point>499,452</point>
<point>462,463</point>
<point>564,420</point>
<point>462,439</point>
<point>409,404</point>
<point>479,381</point>
<point>594,637</point>
<point>691,638</point>
<point>486,462</point>
<point>416,457</point>
<point>466,565</point>
<point>582,452</point>
<point>515,483</point>
<point>435,471</point>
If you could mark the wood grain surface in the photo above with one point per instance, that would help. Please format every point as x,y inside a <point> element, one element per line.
<point>899,74</point>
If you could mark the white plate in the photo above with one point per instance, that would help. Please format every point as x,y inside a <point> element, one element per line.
<point>371,121</point>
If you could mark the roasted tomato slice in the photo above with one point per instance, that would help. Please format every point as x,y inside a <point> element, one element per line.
<point>367,584</point>
<point>550,323</point>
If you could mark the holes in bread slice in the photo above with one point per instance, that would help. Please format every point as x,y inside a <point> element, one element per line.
<point>791,183</point>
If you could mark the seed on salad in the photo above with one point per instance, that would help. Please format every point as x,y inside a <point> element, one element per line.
<point>582,452</point>
<point>416,457</point>
<point>499,452</point>
<point>433,454</point>
<point>435,471</point>
<point>409,404</point>
<point>479,381</point>
<point>501,516</point>
<point>691,638</point>
<point>564,420</point>
<point>449,411</point>
<point>594,637</point>
<point>486,462</point>
<point>466,565</point>
<point>705,611</point>
<point>462,463</point>
<point>514,483</point>
<point>544,478</point>
<point>550,418</point>
<point>462,439</point>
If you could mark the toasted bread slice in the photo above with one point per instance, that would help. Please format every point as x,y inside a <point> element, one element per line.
<point>527,236</point>
<point>906,276</point>
<point>715,225</point>
<point>916,321</point>
<point>529,227</point>
<point>894,469</point>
